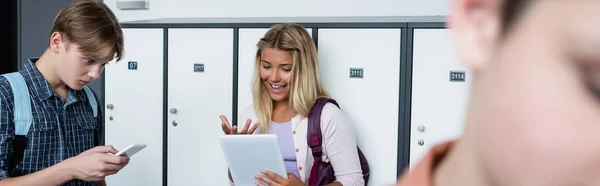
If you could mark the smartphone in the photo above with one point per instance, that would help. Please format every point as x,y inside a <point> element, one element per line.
<point>131,150</point>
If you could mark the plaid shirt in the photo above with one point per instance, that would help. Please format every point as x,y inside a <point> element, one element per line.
<point>59,130</point>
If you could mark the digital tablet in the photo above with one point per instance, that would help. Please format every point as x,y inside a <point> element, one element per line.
<point>247,155</point>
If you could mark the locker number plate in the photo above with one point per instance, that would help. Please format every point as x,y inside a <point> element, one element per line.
<point>198,67</point>
<point>356,73</point>
<point>457,76</point>
<point>132,65</point>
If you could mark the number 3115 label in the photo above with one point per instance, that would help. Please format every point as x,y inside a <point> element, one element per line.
<point>356,73</point>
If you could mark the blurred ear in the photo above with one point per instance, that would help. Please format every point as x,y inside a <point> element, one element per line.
<point>56,42</point>
<point>476,27</point>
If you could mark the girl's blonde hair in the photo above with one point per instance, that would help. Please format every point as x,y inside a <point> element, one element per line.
<point>305,87</point>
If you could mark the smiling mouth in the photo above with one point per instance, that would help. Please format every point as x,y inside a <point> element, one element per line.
<point>277,87</point>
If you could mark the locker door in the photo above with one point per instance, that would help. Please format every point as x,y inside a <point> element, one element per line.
<point>360,68</point>
<point>439,94</point>
<point>135,115</point>
<point>248,37</point>
<point>200,89</point>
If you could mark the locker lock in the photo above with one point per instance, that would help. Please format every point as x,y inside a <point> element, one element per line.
<point>421,128</point>
<point>421,142</point>
<point>110,106</point>
<point>174,123</point>
<point>111,118</point>
<point>173,111</point>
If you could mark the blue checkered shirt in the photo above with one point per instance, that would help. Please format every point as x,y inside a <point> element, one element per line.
<point>59,130</point>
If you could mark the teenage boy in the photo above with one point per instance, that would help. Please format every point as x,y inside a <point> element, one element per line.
<point>51,128</point>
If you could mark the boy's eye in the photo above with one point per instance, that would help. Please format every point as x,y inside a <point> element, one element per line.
<point>89,61</point>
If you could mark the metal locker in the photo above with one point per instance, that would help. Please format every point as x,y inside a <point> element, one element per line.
<point>360,68</point>
<point>135,115</point>
<point>440,91</point>
<point>200,88</point>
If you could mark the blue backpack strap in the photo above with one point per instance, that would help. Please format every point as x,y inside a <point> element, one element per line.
<point>91,99</point>
<point>22,103</point>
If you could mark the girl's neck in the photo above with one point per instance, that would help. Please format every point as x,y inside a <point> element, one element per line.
<point>282,112</point>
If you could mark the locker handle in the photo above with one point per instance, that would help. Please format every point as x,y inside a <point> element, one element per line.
<point>421,128</point>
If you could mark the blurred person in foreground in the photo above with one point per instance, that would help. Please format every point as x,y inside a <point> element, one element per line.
<point>534,113</point>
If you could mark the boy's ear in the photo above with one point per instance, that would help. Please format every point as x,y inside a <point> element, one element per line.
<point>475,25</point>
<point>56,42</point>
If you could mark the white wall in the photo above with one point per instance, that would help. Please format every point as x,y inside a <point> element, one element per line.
<point>282,8</point>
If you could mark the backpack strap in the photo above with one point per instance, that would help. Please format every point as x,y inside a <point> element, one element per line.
<point>22,103</point>
<point>315,138</point>
<point>91,99</point>
<point>22,118</point>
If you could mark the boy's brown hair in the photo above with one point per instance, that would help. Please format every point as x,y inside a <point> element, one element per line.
<point>92,26</point>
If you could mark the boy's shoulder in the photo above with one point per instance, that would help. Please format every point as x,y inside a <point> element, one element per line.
<point>5,89</point>
<point>6,95</point>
